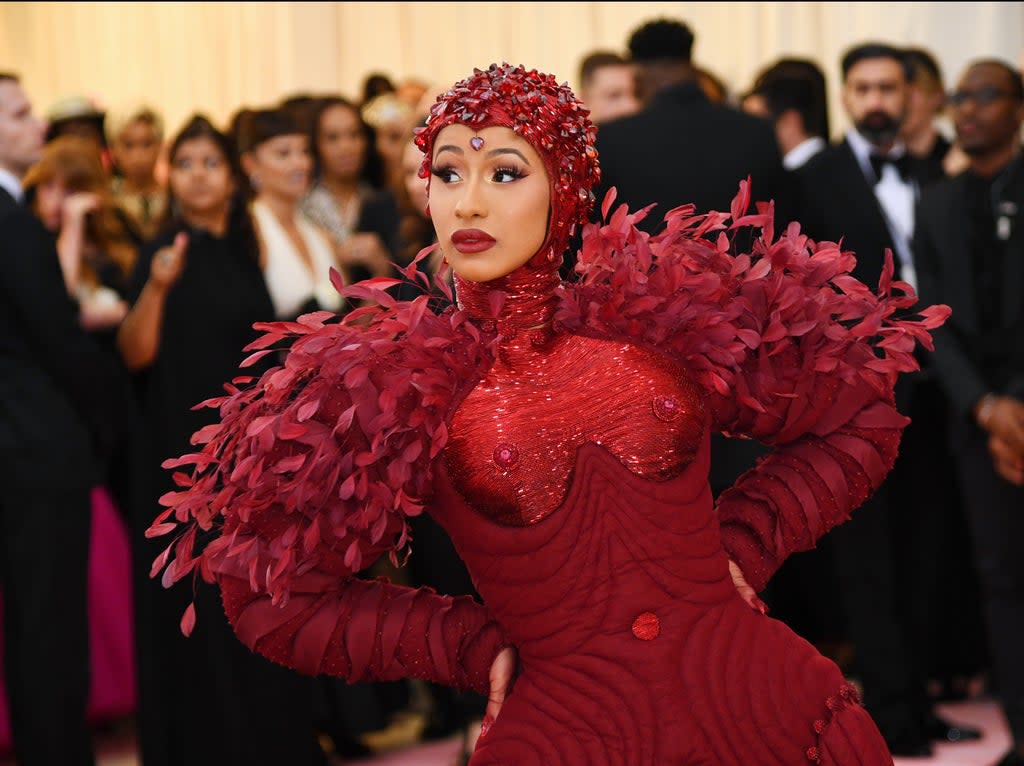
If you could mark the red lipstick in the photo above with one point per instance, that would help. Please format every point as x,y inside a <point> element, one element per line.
<point>472,241</point>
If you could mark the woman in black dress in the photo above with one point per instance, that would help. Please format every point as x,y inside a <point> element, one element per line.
<point>196,292</point>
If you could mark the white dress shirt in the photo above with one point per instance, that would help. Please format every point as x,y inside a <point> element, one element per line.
<point>290,281</point>
<point>896,197</point>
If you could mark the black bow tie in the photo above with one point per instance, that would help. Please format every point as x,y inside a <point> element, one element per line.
<point>901,163</point>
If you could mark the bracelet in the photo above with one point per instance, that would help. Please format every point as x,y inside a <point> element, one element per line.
<point>984,411</point>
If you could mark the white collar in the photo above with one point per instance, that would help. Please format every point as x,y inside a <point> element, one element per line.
<point>11,184</point>
<point>799,154</point>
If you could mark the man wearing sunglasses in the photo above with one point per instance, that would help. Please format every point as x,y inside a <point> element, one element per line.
<point>969,246</point>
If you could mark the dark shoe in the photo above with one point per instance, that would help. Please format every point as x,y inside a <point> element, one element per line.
<point>945,731</point>
<point>347,747</point>
<point>911,748</point>
<point>906,739</point>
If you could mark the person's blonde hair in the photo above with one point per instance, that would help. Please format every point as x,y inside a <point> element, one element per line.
<point>76,163</point>
<point>119,119</point>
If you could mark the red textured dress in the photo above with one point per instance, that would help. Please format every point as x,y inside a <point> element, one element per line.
<point>560,433</point>
<point>575,486</point>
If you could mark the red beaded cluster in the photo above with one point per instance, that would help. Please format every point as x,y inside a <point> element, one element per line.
<point>546,114</point>
<point>647,626</point>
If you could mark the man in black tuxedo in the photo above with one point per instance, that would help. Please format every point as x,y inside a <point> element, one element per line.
<point>681,148</point>
<point>862,192</point>
<point>969,247</point>
<point>52,433</point>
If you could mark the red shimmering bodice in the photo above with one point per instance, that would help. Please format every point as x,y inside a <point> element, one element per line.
<point>514,438</point>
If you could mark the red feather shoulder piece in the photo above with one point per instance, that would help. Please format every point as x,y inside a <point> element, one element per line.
<point>761,329</point>
<point>319,463</point>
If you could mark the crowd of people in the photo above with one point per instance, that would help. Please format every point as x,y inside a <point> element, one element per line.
<point>138,263</point>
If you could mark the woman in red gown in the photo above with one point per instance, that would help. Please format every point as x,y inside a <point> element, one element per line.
<point>560,432</point>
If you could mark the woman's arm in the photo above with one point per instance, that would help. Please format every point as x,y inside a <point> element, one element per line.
<point>138,338</point>
<point>809,485</point>
<point>311,474</point>
<point>791,349</point>
<point>71,240</point>
<point>360,630</point>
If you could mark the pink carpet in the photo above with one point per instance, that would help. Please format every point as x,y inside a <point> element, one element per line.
<point>984,715</point>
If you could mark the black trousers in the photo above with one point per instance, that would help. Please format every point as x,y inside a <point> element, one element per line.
<point>995,511</point>
<point>889,571</point>
<point>44,554</point>
<point>208,700</point>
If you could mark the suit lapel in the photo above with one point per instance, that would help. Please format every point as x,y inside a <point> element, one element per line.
<point>1013,255</point>
<point>6,200</point>
<point>867,211</point>
<point>955,252</point>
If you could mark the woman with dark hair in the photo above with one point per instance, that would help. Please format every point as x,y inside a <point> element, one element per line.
<point>297,255</point>
<point>196,292</point>
<point>560,433</point>
<point>376,84</point>
<point>349,198</point>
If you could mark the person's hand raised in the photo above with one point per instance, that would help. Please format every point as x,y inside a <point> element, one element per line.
<point>79,204</point>
<point>169,262</point>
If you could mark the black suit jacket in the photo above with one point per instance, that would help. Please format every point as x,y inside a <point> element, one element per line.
<point>969,361</point>
<point>684,149</point>
<point>56,421</point>
<point>681,149</point>
<point>837,203</point>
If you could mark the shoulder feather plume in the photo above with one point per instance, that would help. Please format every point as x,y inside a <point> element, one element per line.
<point>327,454</point>
<point>756,326</point>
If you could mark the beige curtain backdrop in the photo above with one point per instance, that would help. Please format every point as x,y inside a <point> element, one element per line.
<point>216,57</point>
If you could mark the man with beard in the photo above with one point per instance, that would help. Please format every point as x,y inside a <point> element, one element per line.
<point>861,192</point>
<point>970,250</point>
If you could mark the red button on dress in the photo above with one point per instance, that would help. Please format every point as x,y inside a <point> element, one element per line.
<point>647,626</point>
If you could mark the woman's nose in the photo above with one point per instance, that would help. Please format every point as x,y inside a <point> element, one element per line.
<point>471,203</point>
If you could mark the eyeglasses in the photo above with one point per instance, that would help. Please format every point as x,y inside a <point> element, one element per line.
<point>982,96</point>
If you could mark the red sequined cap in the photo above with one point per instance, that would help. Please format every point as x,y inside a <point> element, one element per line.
<point>546,114</point>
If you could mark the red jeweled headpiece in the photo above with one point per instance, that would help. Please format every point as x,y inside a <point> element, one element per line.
<point>546,114</point>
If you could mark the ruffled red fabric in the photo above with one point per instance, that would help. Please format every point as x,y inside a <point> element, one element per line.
<point>321,461</point>
<point>791,349</point>
<point>313,469</point>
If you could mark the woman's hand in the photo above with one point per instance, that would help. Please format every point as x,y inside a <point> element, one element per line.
<point>168,263</point>
<point>747,593</point>
<point>102,309</point>
<point>365,249</point>
<point>503,670</point>
<point>76,206</point>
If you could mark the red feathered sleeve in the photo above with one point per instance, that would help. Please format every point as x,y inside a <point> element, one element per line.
<point>791,349</point>
<point>312,473</point>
